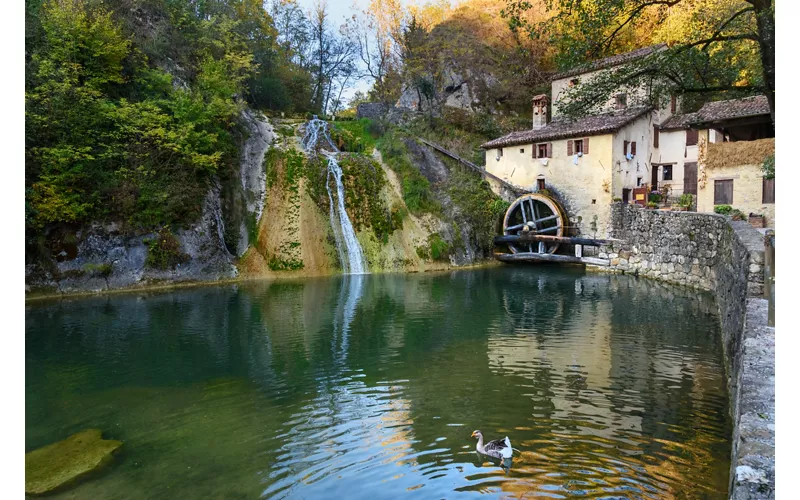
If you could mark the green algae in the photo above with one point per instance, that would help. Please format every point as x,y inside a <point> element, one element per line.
<point>62,464</point>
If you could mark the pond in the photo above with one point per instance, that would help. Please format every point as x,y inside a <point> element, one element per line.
<point>369,387</point>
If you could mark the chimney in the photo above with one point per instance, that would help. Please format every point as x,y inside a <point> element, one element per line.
<point>539,111</point>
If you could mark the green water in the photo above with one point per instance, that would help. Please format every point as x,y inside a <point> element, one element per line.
<point>369,387</point>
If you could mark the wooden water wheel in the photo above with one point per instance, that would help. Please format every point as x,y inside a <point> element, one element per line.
<point>534,213</point>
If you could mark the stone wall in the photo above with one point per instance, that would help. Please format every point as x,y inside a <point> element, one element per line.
<point>714,253</point>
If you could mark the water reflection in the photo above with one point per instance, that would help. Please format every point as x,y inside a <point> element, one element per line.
<point>369,385</point>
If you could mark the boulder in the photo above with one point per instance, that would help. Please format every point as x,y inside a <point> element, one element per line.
<point>62,464</point>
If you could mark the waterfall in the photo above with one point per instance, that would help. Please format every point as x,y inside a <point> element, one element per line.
<point>350,254</point>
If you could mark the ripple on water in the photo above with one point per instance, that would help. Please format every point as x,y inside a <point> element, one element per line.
<point>300,390</point>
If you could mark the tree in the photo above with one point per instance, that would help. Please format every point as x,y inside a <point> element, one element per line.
<point>332,54</point>
<point>713,45</point>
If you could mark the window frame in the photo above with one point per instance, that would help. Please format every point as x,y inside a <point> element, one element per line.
<point>575,149</point>
<point>667,169</point>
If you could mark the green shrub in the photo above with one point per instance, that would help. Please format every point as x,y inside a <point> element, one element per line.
<point>617,199</point>
<point>686,200</point>
<point>439,248</point>
<point>654,197</point>
<point>768,167</point>
<point>723,209</point>
<point>652,204</point>
<point>737,214</point>
<point>164,252</point>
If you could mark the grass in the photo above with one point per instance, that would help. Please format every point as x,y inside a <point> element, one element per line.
<point>356,136</point>
<point>417,193</point>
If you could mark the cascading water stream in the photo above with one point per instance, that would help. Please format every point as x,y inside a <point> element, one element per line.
<point>350,253</point>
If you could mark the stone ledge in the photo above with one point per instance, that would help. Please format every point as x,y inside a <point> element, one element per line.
<point>753,460</point>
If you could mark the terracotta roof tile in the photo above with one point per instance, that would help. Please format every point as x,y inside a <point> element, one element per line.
<point>562,129</point>
<point>611,61</point>
<point>720,110</point>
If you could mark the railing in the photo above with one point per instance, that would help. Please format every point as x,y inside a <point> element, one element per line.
<point>769,274</point>
<point>514,188</point>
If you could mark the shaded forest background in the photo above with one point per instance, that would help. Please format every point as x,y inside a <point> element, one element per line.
<point>133,106</point>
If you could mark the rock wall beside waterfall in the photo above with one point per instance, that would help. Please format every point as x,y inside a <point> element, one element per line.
<point>262,220</point>
<point>107,257</point>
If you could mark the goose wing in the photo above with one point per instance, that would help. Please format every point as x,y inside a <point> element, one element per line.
<point>500,448</point>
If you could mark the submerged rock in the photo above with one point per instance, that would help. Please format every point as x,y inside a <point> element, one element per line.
<point>61,464</point>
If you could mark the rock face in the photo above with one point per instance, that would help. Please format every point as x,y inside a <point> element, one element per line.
<point>105,257</point>
<point>62,464</point>
<point>252,172</point>
<point>371,110</point>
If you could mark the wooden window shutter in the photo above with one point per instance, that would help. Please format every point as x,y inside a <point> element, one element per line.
<point>768,194</point>
<point>586,145</point>
<point>655,136</point>
<point>569,148</point>
<point>625,148</point>
<point>535,153</point>
<point>633,148</point>
<point>723,192</point>
<point>673,101</point>
<point>691,137</point>
<point>549,149</point>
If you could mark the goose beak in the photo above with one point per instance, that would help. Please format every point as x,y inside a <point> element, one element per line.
<point>473,434</point>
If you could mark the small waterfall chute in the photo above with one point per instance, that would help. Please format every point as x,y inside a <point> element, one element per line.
<point>350,253</point>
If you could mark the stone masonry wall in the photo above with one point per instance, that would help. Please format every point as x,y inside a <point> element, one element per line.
<point>714,253</point>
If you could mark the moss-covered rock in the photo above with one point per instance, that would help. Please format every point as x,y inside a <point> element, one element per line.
<point>62,464</point>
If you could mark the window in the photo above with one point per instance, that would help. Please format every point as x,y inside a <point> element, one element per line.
<point>578,146</point>
<point>499,154</point>
<point>667,173</point>
<point>633,148</point>
<point>723,192</point>
<point>621,100</point>
<point>542,151</point>
<point>768,191</point>
<point>655,136</point>
<point>574,82</point>
<point>540,184</point>
<point>522,151</point>
<point>691,137</point>
<point>638,182</point>
<point>673,104</point>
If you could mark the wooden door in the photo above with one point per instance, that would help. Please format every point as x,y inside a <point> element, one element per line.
<point>654,180</point>
<point>626,196</point>
<point>690,178</point>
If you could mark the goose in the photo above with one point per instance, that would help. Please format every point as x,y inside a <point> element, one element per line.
<point>499,448</point>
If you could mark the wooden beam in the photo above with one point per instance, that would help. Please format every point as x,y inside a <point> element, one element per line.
<point>549,257</point>
<point>570,240</point>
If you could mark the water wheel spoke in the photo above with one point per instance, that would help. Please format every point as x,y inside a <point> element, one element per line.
<point>530,214</point>
<point>545,219</point>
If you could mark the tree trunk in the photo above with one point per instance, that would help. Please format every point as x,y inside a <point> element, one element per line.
<point>765,21</point>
